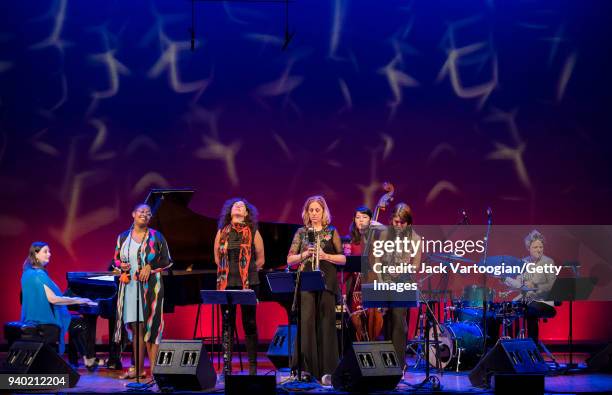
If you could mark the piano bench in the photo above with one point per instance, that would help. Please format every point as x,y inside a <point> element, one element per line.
<point>19,330</point>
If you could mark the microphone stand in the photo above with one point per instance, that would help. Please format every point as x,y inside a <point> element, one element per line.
<point>484,297</point>
<point>431,381</point>
<point>138,385</point>
<point>296,311</point>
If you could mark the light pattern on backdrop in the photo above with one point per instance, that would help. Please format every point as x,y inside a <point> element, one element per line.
<point>472,68</point>
<point>168,61</point>
<point>113,67</point>
<point>57,12</point>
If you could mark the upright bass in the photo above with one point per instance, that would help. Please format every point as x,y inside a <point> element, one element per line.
<point>368,323</point>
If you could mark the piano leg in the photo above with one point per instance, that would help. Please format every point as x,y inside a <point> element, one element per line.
<point>197,321</point>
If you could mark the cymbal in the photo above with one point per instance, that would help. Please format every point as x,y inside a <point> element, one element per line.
<point>443,257</point>
<point>510,290</point>
<point>497,260</point>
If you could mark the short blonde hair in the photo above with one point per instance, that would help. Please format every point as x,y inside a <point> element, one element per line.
<point>534,235</point>
<point>326,220</point>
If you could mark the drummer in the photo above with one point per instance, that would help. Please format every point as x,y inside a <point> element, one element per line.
<point>535,286</point>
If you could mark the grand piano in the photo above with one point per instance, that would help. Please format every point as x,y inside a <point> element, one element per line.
<point>190,238</point>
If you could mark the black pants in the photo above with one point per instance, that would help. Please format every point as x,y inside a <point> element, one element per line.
<point>48,334</point>
<point>82,341</point>
<point>82,333</point>
<point>535,311</point>
<point>249,314</point>
<point>396,329</point>
<point>319,344</point>
<point>249,325</point>
<point>493,327</point>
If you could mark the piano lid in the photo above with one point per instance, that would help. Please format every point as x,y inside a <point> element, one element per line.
<point>181,196</point>
<point>191,235</point>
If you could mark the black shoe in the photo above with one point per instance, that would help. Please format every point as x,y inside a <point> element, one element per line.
<point>114,365</point>
<point>94,365</point>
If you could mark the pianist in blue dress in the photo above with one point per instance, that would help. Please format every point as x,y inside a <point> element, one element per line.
<point>239,255</point>
<point>42,303</point>
<point>142,254</point>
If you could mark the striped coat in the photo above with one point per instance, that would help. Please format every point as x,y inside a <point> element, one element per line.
<point>153,251</point>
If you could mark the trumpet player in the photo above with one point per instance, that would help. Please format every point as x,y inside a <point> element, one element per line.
<point>317,246</point>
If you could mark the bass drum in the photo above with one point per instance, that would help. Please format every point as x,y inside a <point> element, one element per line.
<point>460,344</point>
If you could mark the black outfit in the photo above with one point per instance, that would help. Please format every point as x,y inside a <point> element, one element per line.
<point>319,344</point>
<point>249,317</point>
<point>535,311</point>
<point>493,325</point>
<point>82,333</point>
<point>396,320</point>
<point>395,328</point>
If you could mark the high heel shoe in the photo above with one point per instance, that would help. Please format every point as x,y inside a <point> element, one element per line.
<point>131,374</point>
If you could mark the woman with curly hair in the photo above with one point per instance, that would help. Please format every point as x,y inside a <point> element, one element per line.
<point>239,255</point>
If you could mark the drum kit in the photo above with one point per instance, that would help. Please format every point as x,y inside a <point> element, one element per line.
<point>456,341</point>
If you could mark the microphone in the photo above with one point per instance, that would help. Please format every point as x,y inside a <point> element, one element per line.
<point>489,216</point>
<point>464,217</point>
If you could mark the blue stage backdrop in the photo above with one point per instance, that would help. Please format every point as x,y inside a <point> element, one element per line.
<point>461,104</point>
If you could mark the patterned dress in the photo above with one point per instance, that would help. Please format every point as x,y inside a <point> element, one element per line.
<point>154,252</point>
<point>130,249</point>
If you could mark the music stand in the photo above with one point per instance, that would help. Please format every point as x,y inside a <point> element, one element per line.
<point>571,289</point>
<point>390,299</point>
<point>352,265</point>
<point>294,282</point>
<point>228,297</point>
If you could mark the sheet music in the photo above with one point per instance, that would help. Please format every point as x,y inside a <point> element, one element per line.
<point>103,278</point>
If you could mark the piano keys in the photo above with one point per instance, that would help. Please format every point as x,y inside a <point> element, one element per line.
<point>181,288</point>
<point>100,287</point>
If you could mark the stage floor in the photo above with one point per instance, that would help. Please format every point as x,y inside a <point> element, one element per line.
<point>576,382</point>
